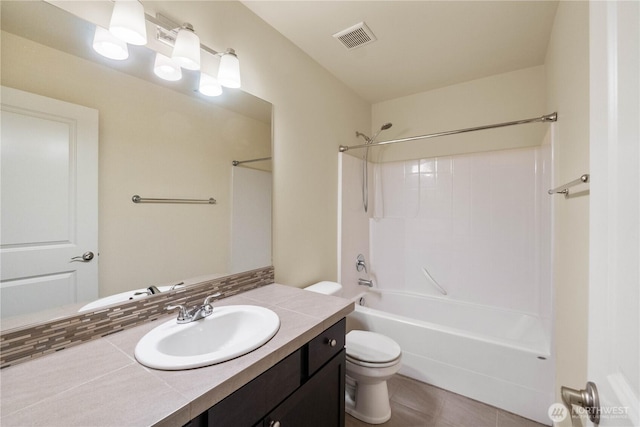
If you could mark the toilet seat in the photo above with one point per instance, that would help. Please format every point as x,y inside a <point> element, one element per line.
<point>373,365</point>
<point>371,349</point>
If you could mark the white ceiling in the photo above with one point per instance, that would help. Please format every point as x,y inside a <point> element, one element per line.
<point>422,45</point>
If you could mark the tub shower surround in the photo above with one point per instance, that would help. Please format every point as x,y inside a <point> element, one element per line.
<point>479,224</point>
<point>27,343</point>
<point>459,249</point>
<point>495,356</point>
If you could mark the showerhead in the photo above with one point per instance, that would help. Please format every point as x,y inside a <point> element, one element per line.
<point>371,140</point>
<point>383,127</point>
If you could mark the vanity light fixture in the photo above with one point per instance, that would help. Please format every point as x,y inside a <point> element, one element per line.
<point>165,68</point>
<point>229,71</point>
<point>209,85</point>
<point>169,32</point>
<point>106,44</point>
<point>128,22</point>
<point>186,51</point>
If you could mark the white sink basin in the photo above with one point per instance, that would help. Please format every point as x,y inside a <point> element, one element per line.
<point>229,332</point>
<point>117,298</point>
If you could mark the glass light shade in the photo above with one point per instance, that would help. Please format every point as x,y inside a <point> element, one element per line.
<point>127,22</point>
<point>186,51</point>
<point>166,69</point>
<point>106,44</point>
<point>229,71</point>
<point>209,85</point>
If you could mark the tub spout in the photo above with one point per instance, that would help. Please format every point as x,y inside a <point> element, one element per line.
<point>365,282</point>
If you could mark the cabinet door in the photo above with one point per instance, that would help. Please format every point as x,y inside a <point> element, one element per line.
<point>318,403</point>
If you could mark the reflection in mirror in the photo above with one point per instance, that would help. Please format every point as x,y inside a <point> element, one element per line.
<point>157,139</point>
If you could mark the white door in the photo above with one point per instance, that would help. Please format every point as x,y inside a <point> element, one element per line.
<point>614,289</point>
<point>49,203</point>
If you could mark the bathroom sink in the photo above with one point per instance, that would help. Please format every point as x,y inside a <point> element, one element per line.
<point>229,332</point>
<point>118,298</point>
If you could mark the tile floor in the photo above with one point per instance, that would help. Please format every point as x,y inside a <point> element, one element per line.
<point>416,404</point>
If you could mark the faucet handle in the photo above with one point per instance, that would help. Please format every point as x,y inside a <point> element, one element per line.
<point>207,300</point>
<point>176,285</point>
<point>360,263</point>
<point>183,313</point>
<point>207,308</point>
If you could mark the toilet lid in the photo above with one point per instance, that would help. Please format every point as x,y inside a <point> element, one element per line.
<point>327,288</point>
<point>371,347</point>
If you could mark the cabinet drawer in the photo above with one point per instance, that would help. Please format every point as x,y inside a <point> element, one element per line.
<point>326,345</point>
<point>247,406</point>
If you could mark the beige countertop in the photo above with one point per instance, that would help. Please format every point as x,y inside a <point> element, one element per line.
<point>100,383</point>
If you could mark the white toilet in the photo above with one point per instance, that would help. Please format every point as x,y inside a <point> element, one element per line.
<point>372,359</point>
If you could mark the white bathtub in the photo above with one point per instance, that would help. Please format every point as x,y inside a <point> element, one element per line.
<point>495,356</point>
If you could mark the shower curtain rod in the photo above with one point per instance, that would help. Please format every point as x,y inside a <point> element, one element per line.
<point>547,118</point>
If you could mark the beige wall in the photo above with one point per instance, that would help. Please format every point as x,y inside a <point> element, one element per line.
<point>501,98</point>
<point>313,114</point>
<point>567,66</point>
<point>154,142</point>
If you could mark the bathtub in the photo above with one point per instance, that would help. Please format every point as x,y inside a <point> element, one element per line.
<point>496,356</point>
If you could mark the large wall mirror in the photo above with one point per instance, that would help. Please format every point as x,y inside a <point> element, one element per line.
<point>156,139</point>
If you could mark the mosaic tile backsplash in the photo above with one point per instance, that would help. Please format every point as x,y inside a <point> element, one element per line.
<point>23,344</point>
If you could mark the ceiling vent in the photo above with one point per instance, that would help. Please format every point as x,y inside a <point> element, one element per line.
<point>355,36</point>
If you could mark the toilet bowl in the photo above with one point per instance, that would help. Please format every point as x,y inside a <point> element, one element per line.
<point>371,360</point>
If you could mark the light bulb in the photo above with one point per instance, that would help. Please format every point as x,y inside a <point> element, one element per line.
<point>209,85</point>
<point>107,45</point>
<point>166,69</point>
<point>229,71</point>
<point>128,23</point>
<point>186,51</point>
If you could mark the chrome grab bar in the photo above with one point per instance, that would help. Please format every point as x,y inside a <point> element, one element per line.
<point>433,281</point>
<point>564,189</point>
<point>138,199</point>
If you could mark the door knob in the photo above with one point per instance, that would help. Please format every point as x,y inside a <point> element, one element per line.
<point>86,257</point>
<point>587,398</point>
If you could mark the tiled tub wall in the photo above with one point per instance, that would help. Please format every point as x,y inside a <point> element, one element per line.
<point>23,344</point>
<point>479,223</point>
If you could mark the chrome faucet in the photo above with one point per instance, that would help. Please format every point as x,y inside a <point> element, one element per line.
<point>360,263</point>
<point>186,315</point>
<point>176,285</point>
<point>365,282</point>
<point>153,289</point>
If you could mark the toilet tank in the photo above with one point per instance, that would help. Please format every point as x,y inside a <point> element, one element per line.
<point>326,287</point>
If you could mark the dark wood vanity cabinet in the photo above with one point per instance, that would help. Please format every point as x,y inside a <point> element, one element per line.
<point>305,389</point>
<point>317,403</point>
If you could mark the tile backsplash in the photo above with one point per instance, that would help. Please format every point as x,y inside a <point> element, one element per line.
<point>29,342</point>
